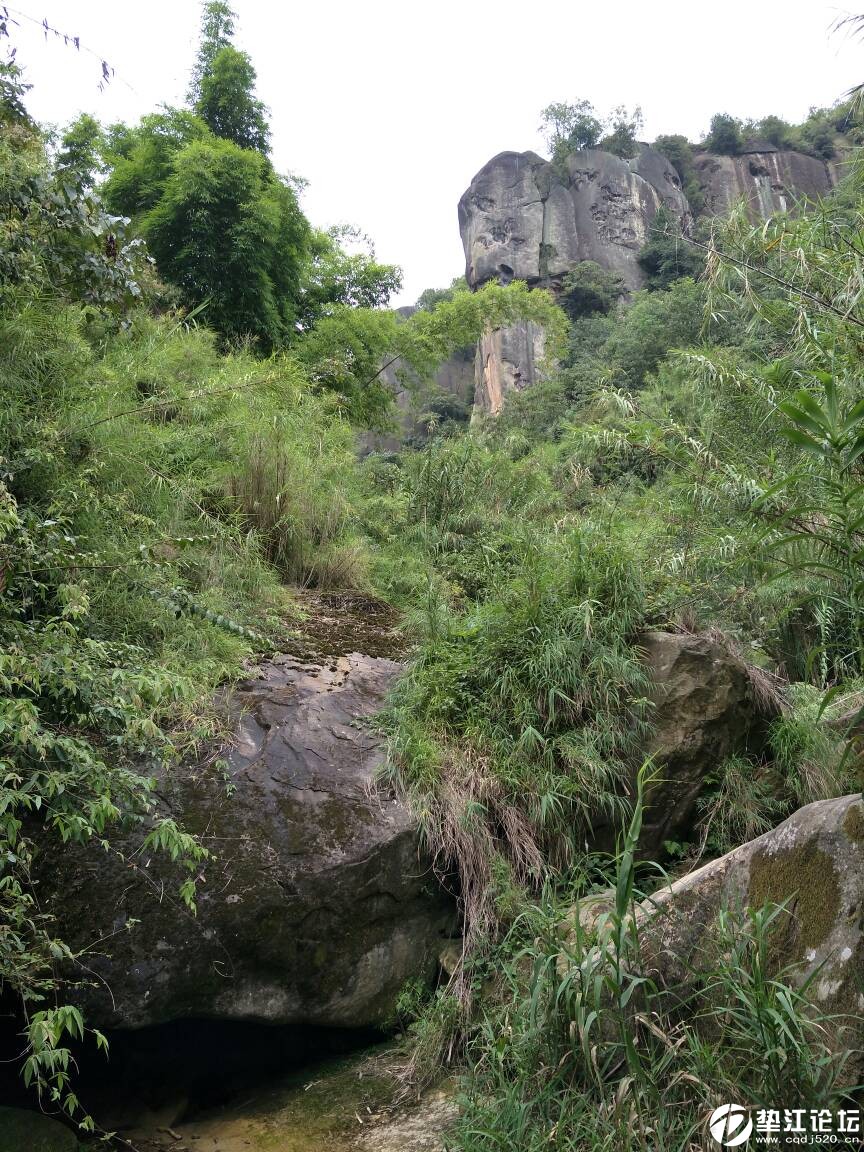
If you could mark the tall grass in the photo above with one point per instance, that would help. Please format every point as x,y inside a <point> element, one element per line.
<point>289,490</point>
<point>580,1049</point>
<point>515,727</point>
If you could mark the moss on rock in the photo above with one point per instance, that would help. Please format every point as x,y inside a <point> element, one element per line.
<point>805,876</point>
<point>853,823</point>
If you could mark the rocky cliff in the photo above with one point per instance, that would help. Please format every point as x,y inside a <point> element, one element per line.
<point>769,180</point>
<point>525,218</point>
<point>452,381</point>
<point>522,218</point>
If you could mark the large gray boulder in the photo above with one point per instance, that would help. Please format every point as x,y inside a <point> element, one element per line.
<point>318,904</point>
<point>705,709</point>
<point>501,219</point>
<point>815,862</point>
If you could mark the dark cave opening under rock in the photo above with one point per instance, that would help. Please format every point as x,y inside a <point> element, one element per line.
<point>171,1072</point>
<point>191,1065</point>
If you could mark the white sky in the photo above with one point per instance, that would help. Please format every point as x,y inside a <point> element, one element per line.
<point>389,108</point>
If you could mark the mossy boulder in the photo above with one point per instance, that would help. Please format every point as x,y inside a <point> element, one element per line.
<point>814,864</point>
<point>23,1131</point>
<point>318,904</point>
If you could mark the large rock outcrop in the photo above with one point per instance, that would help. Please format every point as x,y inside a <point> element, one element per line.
<point>767,179</point>
<point>525,218</point>
<point>317,905</point>
<point>450,388</point>
<point>507,360</point>
<point>705,709</point>
<point>815,862</point>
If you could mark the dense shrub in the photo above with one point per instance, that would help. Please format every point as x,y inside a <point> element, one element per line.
<point>724,135</point>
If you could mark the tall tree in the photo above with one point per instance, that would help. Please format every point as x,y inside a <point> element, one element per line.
<point>79,157</point>
<point>228,230</point>
<point>569,127</point>
<point>724,136</point>
<point>623,129</point>
<point>217,32</point>
<point>222,91</point>
<point>227,104</point>
<point>142,158</point>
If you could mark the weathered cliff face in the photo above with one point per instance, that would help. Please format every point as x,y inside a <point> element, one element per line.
<point>523,218</point>
<point>769,180</point>
<point>507,360</point>
<point>454,379</point>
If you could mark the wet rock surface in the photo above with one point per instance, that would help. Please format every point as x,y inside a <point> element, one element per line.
<point>767,179</point>
<point>348,1106</point>
<point>317,905</point>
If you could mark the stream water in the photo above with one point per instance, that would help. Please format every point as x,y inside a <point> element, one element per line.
<point>340,1104</point>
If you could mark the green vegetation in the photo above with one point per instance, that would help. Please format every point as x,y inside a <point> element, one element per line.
<point>182,393</point>
<point>569,128</point>
<point>818,135</point>
<point>724,135</point>
<point>589,289</point>
<point>158,489</point>
<point>680,151</point>
<point>623,128</point>
<point>667,255</point>
<point>695,461</point>
<point>223,84</point>
<point>583,1050</point>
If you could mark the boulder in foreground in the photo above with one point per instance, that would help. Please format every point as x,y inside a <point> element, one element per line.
<point>317,906</point>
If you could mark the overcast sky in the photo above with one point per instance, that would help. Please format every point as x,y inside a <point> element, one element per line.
<point>388,108</point>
